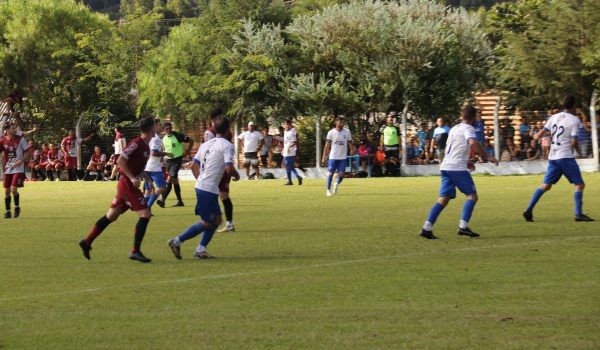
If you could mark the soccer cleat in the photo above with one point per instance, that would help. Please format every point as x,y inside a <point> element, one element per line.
<point>467,232</point>
<point>7,215</point>
<point>17,212</point>
<point>288,184</point>
<point>175,248</point>
<point>300,181</point>
<point>85,248</point>
<point>227,228</point>
<point>178,204</point>
<point>335,188</point>
<point>528,216</point>
<point>139,257</point>
<point>427,234</point>
<point>203,255</point>
<point>583,217</point>
<point>160,202</point>
<point>329,193</point>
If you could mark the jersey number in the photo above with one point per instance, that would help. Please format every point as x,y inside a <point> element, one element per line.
<point>204,161</point>
<point>557,131</point>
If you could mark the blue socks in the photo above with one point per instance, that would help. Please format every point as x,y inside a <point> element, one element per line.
<point>208,234</point>
<point>289,175</point>
<point>536,197</point>
<point>151,200</point>
<point>192,232</point>
<point>329,179</point>
<point>436,210</point>
<point>578,203</point>
<point>468,210</point>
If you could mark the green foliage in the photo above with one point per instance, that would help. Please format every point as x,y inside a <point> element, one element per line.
<point>546,49</point>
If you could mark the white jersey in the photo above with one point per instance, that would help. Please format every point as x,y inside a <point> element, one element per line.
<point>213,156</point>
<point>154,163</point>
<point>458,148</point>
<point>251,140</point>
<point>339,143</point>
<point>563,127</point>
<point>14,151</point>
<point>289,137</point>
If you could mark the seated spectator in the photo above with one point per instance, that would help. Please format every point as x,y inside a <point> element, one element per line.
<point>424,157</point>
<point>507,135</point>
<point>366,154</point>
<point>584,138</point>
<point>545,141</point>
<point>525,133</point>
<point>533,150</point>
<point>378,162</point>
<point>110,164</point>
<point>412,151</point>
<point>97,163</point>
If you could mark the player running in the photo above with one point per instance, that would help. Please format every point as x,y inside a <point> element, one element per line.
<point>154,168</point>
<point>338,141</point>
<point>290,145</point>
<point>212,159</point>
<point>16,151</point>
<point>131,166</point>
<point>455,173</point>
<point>563,128</point>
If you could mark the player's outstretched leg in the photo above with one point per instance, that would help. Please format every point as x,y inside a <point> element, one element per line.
<point>434,213</point>
<point>140,232</point>
<point>201,252</point>
<point>99,227</point>
<point>463,228</point>
<point>329,193</point>
<point>16,199</point>
<point>191,232</point>
<point>539,192</point>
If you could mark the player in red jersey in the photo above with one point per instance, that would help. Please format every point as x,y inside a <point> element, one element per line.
<point>69,148</point>
<point>53,163</point>
<point>40,168</point>
<point>34,161</point>
<point>16,152</point>
<point>131,167</point>
<point>97,163</point>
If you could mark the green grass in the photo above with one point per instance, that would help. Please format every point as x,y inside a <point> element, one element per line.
<point>305,271</point>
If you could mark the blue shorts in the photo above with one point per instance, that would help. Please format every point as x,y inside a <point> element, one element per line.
<point>158,178</point>
<point>336,164</point>
<point>453,179</point>
<point>567,167</point>
<point>207,206</point>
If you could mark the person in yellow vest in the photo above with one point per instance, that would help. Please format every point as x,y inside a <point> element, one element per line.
<point>173,143</point>
<point>390,143</point>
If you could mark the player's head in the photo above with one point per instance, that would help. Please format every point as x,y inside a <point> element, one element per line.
<point>216,112</point>
<point>339,122</point>
<point>52,146</point>
<point>469,113</point>
<point>146,125</point>
<point>265,130</point>
<point>168,128</point>
<point>287,124</point>
<point>423,126</point>
<point>97,149</point>
<point>569,102</point>
<point>44,145</point>
<point>71,133</point>
<point>251,126</point>
<point>158,125</point>
<point>118,129</point>
<point>11,128</point>
<point>390,121</point>
<point>280,129</point>
<point>440,122</point>
<point>221,125</point>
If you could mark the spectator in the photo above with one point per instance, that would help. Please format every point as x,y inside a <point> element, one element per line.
<point>119,145</point>
<point>278,148</point>
<point>545,141</point>
<point>423,134</point>
<point>366,154</point>
<point>34,161</point>
<point>525,133</point>
<point>533,150</point>
<point>479,127</point>
<point>507,137</point>
<point>97,164</point>
<point>265,150</point>
<point>252,141</point>
<point>390,143</point>
<point>424,157</point>
<point>440,136</point>
<point>110,165</point>
<point>412,151</point>
<point>584,138</point>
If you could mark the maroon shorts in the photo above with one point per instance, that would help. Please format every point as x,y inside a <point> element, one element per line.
<point>128,196</point>
<point>43,165</point>
<point>14,180</point>
<point>59,164</point>
<point>70,162</point>
<point>224,184</point>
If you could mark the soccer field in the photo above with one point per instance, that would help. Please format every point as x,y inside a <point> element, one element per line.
<point>304,271</point>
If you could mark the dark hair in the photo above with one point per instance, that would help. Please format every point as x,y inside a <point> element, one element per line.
<point>146,124</point>
<point>221,125</point>
<point>569,102</point>
<point>167,125</point>
<point>215,112</point>
<point>156,120</point>
<point>339,118</point>
<point>469,113</point>
<point>288,121</point>
<point>119,128</point>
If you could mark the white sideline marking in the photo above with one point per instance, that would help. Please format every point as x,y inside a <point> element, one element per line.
<point>293,268</point>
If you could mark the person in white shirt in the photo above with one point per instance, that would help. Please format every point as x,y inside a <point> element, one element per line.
<point>251,140</point>
<point>455,173</point>
<point>154,168</point>
<point>212,159</point>
<point>563,129</point>
<point>290,146</point>
<point>337,144</point>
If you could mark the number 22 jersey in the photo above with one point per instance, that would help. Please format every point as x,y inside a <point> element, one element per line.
<point>563,127</point>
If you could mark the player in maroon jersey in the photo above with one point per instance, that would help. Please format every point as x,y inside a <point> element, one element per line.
<point>97,163</point>
<point>54,163</point>
<point>69,148</point>
<point>40,168</point>
<point>16,153</point>
<point>131,167</point>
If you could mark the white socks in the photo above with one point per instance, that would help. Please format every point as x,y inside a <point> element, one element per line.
<point>427,226</point>
<point>463,224</point>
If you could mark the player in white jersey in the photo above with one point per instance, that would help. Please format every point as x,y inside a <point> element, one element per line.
<point>290,146</point>
<point>154,168</point>
<point>212,159</point>
<point>563,128</point>
<point>338,140</point>
<point>455,173</point>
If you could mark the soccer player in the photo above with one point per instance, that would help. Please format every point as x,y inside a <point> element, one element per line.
<point>173,144</point>
<point>455,173</point>
<point>131,167</point>
<point>41,166</point>
<point>338,140</point>
<point>54,163</point>
<point>35,161</point>
<point>563,128</point>
<point>290,145</point>
<point>16,152</point>
<point>119,145</point>
<point>69,147</point>
<point>154,167</point>
<point>97,163</point>
<point>252,141</point>
<point>212,159</point>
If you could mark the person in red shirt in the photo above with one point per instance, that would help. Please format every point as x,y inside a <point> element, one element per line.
<point>53,163</point>
<point>131,167</point>
<point>40,168</point>
<point>69,148</point>
<point>97,163</point>
<point>16,153</point>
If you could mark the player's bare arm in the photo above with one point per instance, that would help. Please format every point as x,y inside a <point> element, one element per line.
<point>326,151</point>
<point>231,171</point>
<point>540,133</point>
<point>482,152</point>
<point>195,169</point>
